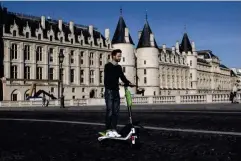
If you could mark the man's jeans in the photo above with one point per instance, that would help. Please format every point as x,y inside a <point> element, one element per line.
<point>112,100</point>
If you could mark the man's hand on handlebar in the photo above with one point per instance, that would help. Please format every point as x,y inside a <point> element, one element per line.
<point>130,84</point>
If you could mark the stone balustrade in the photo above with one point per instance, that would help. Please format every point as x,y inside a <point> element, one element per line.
<point>138,100</point>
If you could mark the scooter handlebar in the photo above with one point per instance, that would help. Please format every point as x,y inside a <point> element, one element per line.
<point>127,85</point>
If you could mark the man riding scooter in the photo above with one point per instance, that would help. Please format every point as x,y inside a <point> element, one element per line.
<point>112,73</point>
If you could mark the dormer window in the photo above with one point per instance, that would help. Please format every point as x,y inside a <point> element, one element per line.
<point>39,36</point>
<point>14,33</point>
<point>27,35</point>
<point>51,38</point>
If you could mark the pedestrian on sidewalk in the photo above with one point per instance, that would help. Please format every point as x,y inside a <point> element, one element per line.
<point>233,94</point>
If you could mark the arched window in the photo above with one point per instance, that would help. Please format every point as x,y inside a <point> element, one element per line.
<point>51,38</point>
<point>15,95</point>
<point>39,36</point>
<point>27,35</point>
<point>14,33</point>
<point>92,93</point>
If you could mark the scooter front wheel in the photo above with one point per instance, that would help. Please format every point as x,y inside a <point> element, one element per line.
<point>135,142</point>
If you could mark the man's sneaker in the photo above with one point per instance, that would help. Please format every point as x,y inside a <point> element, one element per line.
<point>116,133</point>
<point>109,133</point>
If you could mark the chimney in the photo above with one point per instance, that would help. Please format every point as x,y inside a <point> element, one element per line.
<point>127,34</point>
<point>193,47</point>
<point>139,34</point>
<point>173,49</point>
<point>177,47</point>
<point>71,26</point>
<point>43,22</point>
<point>91,30</point>
<point>164,48</point>
<point>152,39</point>
<point>107,34</point>
<point>60,25</point>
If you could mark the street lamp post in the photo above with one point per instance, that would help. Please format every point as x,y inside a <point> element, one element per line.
<point>61,59</point>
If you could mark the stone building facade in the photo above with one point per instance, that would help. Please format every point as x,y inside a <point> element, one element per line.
<point>30,47</point>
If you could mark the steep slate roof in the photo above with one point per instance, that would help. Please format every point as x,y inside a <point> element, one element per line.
<point>223,66</point>
<point>1,20</point>
<point>145,37</point>
<point>185,44</point>
<point>34,23</point>
<point>208,54</point>
<point>202,61</point>
<point>119,35</point>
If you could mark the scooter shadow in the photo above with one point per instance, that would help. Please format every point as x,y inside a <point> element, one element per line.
<point>124,132</point>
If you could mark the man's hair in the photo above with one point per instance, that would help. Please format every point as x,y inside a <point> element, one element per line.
<point>114,52</point>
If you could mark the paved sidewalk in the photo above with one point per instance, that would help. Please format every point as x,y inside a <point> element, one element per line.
<point>179,107</point>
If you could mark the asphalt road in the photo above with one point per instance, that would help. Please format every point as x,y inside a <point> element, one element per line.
<point>70,139</point>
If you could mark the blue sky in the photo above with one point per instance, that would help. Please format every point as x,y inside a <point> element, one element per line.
<point>212,25</point>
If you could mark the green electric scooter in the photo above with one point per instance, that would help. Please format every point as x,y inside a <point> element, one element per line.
<point>129,132</point>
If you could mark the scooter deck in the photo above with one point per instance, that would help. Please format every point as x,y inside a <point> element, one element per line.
<point>116,138</point>
<point>112,138</point>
